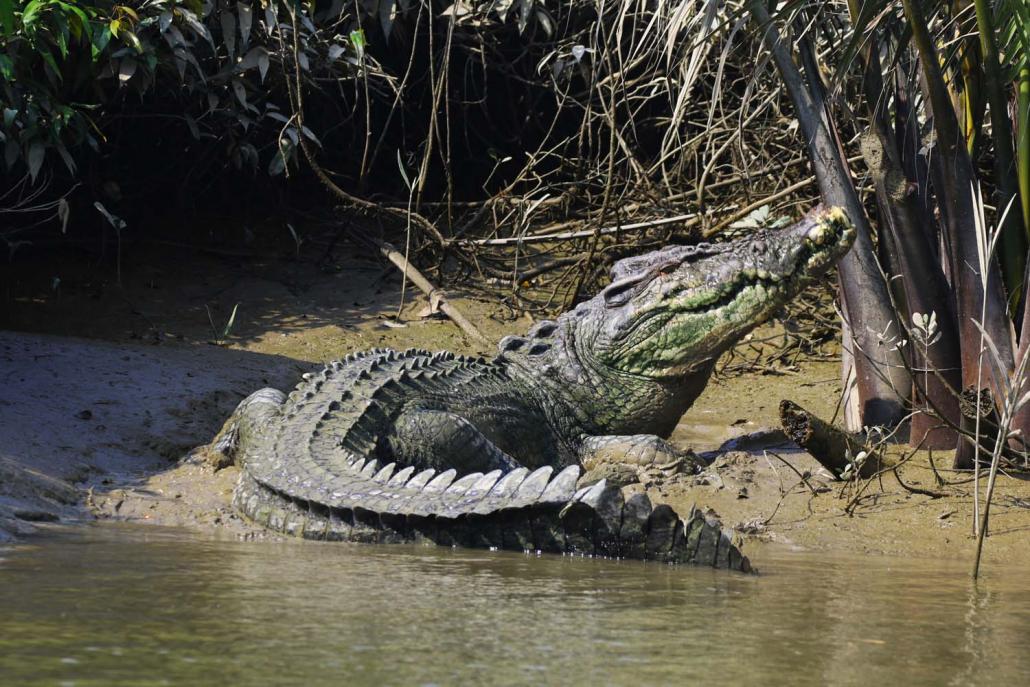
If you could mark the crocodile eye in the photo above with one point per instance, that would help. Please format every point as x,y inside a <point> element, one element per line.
<point>621,291</point>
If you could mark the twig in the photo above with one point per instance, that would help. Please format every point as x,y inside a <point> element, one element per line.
<point>294,89</point>
<point>435,295</point>
<point>745,211</point>
<point>804,476</point>
<point>689,220</point>
<point>916,490</point>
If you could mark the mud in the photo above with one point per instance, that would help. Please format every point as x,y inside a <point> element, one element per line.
<point>107,388</point>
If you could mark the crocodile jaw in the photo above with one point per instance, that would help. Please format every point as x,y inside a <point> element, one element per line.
<point>678,311</point>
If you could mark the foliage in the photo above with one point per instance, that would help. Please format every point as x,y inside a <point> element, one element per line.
<point>70,67</point>
<point>504,114</point>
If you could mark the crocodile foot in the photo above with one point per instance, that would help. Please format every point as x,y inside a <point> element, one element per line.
<point>651,474</point>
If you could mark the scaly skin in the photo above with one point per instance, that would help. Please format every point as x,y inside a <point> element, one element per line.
<point>369,449</point>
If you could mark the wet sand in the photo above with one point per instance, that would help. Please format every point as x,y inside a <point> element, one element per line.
<point>107,389</point>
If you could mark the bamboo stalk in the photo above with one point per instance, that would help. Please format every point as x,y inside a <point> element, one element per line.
<point>926,290</point>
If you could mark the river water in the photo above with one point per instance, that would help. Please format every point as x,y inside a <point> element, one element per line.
<point>110,604</point>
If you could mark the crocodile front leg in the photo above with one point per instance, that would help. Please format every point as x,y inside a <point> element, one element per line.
<point>443,440</point>
<point>625,459</point>
<point>249,424</point>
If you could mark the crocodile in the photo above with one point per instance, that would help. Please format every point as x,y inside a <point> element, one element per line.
<point>414,446</point>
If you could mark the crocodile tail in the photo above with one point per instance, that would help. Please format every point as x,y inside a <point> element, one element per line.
<point>519,511</point>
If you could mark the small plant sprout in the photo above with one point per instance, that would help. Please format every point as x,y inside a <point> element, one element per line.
<point>888,341</point>
<point>854,465</point>
<point>118,224</point>
<point>926,333</point>
<point>412,186</point>
<point>761,218</point>
<point>219,338</point>
<point>298,240</point>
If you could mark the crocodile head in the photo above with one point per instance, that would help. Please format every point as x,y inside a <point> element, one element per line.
<point>673,311</point>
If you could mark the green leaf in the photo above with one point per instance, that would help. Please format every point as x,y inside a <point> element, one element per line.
<point>64,212</point>
<point>7,18</point>
<point>78,21</point>
<point>126,69</point>
<point>62,34</point>
<point>6,67</point>
<point>37,153</point>
<point>51,63</point>
<point>387,14</point>
<point>130,38</point>
<point>277,164</point>
<point>31,12</point>
<point>114,220</point>
<point>231,321</point>
<point>101,37</point>
<point>404,173</point>
<point>357,39</point>
<point>68,161</point>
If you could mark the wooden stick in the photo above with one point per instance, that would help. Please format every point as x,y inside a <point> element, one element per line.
<point>436,296</point>
<point>827,444</point>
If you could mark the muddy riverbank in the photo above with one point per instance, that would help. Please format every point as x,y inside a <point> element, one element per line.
<point>106,389</point>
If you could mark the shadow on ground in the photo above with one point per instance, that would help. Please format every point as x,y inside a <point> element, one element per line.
<point>110,384</point>
<point>95,414</point>
<point>168,293</point>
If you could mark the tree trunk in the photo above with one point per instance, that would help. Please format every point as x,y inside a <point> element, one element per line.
<point>955,180</point>
<point>937,366</point>
<point>882,379</point>
<point>914,266</point>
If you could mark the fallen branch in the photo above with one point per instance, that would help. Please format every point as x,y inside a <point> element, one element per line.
<point>832,447</point>
<point>436,296</point>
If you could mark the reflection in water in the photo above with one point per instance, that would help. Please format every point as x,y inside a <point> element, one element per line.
<point>137,605</point>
